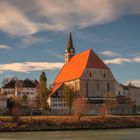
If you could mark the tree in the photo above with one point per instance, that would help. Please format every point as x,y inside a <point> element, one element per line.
<point>43,90</point>
<point>24,100</point>
<point>10,104</point>
<point>69,94</point>
<point>80,106</point>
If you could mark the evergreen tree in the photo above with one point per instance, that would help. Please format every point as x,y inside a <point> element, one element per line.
<point>43,90</point>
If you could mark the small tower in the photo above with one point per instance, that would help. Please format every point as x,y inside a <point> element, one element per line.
<point>70,51</point>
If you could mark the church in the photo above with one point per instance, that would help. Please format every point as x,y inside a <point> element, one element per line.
<point>87,73</point>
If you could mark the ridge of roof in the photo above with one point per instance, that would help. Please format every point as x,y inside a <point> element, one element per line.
<point>77,64</point>
<point>94,61</point>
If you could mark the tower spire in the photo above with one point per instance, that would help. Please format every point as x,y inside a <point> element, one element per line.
<point>70,42</point>
<point>70,51</point>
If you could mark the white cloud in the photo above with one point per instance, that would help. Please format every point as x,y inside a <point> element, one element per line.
<point>134,82</point>
<point>5,47</point>
<point>13,21</point>
<point>26,18</point>
<point>30,66</point>
<point>117,61</point>
<point>110,53</point>
<point>136,59</point>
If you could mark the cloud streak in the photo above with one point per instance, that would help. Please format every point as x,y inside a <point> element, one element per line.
<point>5,47</point>
<point>117,61</point>
<point>26,18</point>
<point>109,53</point>
<point>134,82</point>
<point>30,66</point>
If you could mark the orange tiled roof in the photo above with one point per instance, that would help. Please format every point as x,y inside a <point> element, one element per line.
<point>55,87</point>
<point>76,66</point>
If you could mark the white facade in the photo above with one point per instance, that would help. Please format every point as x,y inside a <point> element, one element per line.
<point>31,93</point>
<point>134,94</point>
<point>57,103</point>
<point>9,92</point>
<point>3,101</point>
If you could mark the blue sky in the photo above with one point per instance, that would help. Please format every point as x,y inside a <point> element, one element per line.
<point>34,33</point>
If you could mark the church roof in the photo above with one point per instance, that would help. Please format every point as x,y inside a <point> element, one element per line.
<point>76,66</point>
<point>55,88</point>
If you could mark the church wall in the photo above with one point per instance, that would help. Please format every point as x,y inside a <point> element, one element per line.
<point>97,82</point>
<point>74,83</point>
<point>93,88</point>
<point>97,74</point>
<point>119,90</point>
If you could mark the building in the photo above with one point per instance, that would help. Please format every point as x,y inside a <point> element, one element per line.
<point>8,88</point>
<point>87,73</point>
<point>27,91</point>
<point>133,93</point>
<point>3,101</point>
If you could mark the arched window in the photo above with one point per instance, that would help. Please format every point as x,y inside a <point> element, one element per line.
<point>108,87</point>
<point>90,74</point>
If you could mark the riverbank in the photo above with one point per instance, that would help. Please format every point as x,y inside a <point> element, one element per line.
<point>42,123</point>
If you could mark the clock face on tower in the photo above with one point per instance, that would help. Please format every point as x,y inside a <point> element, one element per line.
<point>71,50</point>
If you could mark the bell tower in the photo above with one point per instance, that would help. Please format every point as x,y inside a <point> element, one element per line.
<point>69,51</point>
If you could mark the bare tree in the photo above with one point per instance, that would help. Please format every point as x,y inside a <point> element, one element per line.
<point>109,104</point>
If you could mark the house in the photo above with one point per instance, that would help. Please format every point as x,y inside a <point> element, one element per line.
<point>134,93</point>
<point>27,91</point>
<point>8,88</point>
<point>89,75</point>
<point>3,104</point>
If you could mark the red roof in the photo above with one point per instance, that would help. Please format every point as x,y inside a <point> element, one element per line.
<point>54,88</point>
<point>76,66</point>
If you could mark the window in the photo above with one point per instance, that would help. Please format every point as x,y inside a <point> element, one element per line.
<point>59,91</point>
<point>54,104</point>
<point>119,93</point>
<point>104,75</point>
<point>87,88</point>
<point>90,74</point>
<point>98,86</point>
<point>108,87</point>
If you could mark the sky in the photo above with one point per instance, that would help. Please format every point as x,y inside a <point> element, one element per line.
<point>34,34</point>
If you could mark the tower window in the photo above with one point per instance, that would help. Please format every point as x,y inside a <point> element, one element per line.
<point>108,87</point>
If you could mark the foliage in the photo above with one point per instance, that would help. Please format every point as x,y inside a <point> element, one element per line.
<point>79,106</point>
<point>69,95</point>
<point>24,99</point>
<point>43,90</point>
